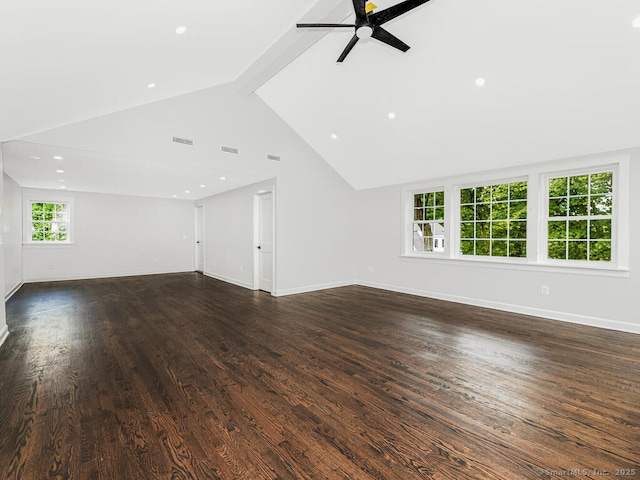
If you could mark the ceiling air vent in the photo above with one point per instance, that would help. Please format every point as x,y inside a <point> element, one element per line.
<point>232,150</point>
<point>275,158</point>
<point>184,141</point>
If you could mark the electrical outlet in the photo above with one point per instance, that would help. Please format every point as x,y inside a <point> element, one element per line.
<point>241,269</point>
<point>544,290</point>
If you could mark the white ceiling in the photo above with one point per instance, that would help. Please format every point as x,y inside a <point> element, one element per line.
<point>68,60</point>
<point>561,80</point>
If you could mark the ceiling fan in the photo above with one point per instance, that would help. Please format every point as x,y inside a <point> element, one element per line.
<point>368,24</point>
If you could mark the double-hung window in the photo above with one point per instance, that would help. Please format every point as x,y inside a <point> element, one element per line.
<point>493,220</point>
<point>580,217</point>
<point>570,214</point>
<point>48,222</point>
<point>428,232</point>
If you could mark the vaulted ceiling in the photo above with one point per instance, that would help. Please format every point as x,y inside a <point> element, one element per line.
<point>559,79</point>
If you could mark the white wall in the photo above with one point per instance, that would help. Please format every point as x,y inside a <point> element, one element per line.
<point>313,215</point>
<point>592,299</point>
<point>4,331</point>
<point>229,233</point>
<point>115,236</point>
<point>12,235</point>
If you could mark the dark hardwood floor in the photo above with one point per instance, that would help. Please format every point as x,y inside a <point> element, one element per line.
<point>184,377</point>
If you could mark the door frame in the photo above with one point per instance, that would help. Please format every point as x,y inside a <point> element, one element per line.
<point>256,237</point>
<point>199,224</point>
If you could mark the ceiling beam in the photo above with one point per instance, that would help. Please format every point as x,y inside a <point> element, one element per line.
<point>293,43</point>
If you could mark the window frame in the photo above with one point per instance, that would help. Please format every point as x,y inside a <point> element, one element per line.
<point>28,201</point>
<point>537,176</point>
<point>545,218</point>
<point>409,221</point>
<point>458,221</point>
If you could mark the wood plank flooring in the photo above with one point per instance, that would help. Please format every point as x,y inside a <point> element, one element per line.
<point>184,377</point>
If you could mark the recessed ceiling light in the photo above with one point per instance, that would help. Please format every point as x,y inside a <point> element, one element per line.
<point>636,23</point>
<point>59,171</point>
<point>63,186</point>
<point>391,115</point>
<point>151,85</point>
<point>481,82</point>
<point>223,178</point>
<point>334,136</point>
<point>181,29</point>
<point>174,196</point>
<point>187,191</point>
<point>202,186</point>
<point>33,157</point>
<point>58,157</point>
<point>61,180</point>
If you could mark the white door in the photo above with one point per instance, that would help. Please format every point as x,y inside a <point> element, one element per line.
<point>199,239</point>
<point>265,242</point>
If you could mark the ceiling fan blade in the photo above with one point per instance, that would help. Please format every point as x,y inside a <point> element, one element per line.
<point>382,35</point>
<point>360,8</point>
<point>323,25</point>
<point>348,48</point>
<point>390,13</point>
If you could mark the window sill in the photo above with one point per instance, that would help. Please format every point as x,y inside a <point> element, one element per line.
<point>48,244</point>
<point>523,265</point>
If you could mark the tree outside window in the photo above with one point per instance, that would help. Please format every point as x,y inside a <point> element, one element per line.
<point>49,222</point>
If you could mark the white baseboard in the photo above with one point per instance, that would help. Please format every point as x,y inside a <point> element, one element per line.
<point>101,275</point>
<point>233,281</point>
<point>312,288</point>
<point>4,333</point>
<point>536,312</point>
<point>13,291</point>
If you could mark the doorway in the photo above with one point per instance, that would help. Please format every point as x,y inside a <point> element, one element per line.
<point>199,253</point>
<point>264,239</point>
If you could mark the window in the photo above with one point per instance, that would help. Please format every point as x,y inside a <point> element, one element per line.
<point>569,214</point>
<point>493,220</point>
<point>49,222</point>
<point>580,217</point>
<point>428,222</point>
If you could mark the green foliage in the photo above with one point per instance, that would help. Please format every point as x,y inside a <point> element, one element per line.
<point>518,230</point>
<point>467,212</point>
<point>579,231</point>
<point>557,250</point>
<point>518,191</point>
<point>467,195</point>
<point>49,222</point>
<point>557,230</point>
<point>518,209</point>
<point>467,230</point>
<point>600,229</point>
<point>578,206</point>
<point>601,204</point>
<point>467,247</point>
<point>557,207</point>
<point>483,211</point>
<point>602,183</point>
<point>499,248</point>
<point>600,251</point>
<point>499,230</point>
<point>518,249</point>
<point>578,250</point>
<point>579,185</point>
<point>492,206</point>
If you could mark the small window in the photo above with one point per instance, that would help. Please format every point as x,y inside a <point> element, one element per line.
<point>49,222</point>
<point>493,220</point>
<point>580,217</point>
<point>428,222</point>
